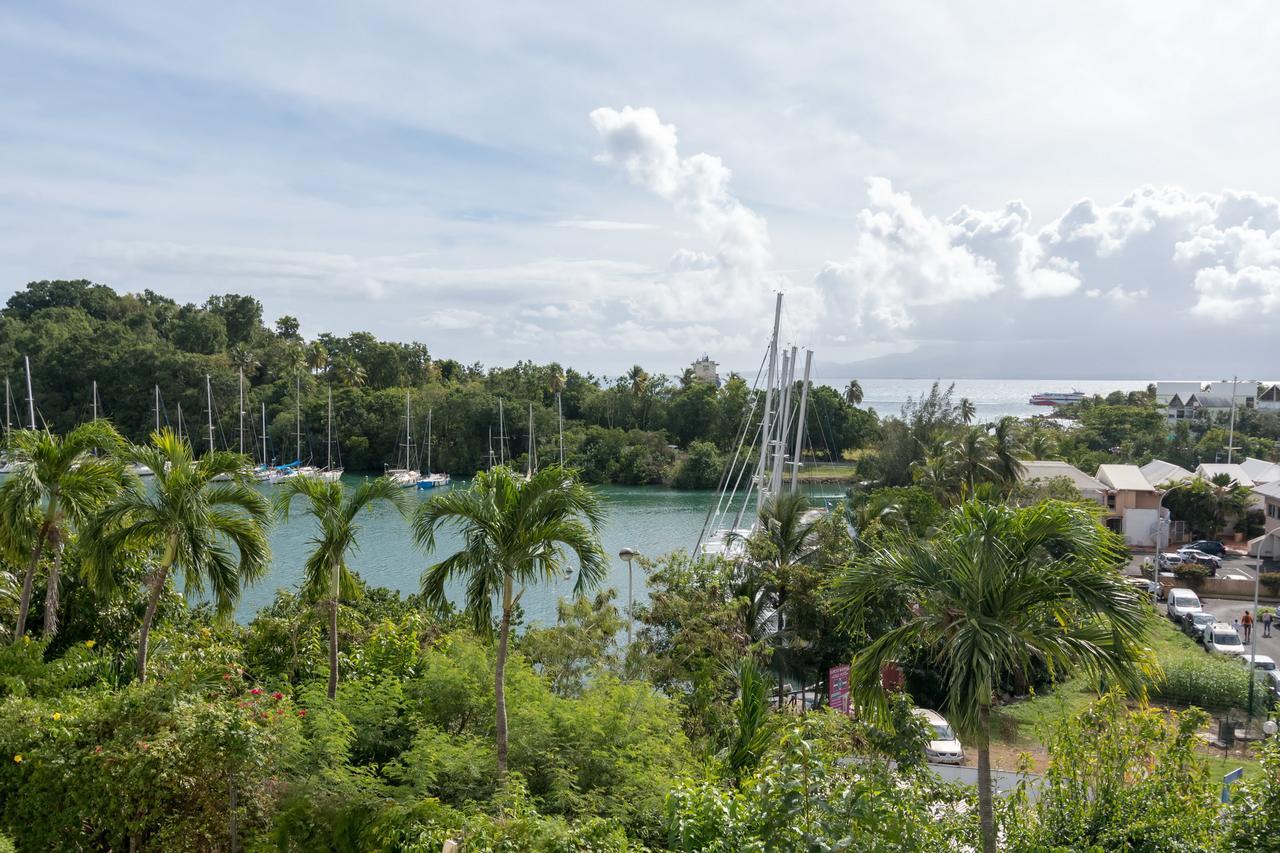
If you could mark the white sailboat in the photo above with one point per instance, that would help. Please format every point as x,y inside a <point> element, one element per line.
<point>407,475</point>
<point>430,480</point>
<point>264,470</point>
<point>208,391</point>
<point>5,465</point>
<point>329,473</point>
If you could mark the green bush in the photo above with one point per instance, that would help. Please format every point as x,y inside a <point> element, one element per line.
<point>1209,682</point>
<point>701,468</point>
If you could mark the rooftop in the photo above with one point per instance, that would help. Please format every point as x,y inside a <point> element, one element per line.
<point>1209,470</point>
<point>1124,478</point>
<point>1260,470</point>
<point>1158,472</point>
<point>1047,469</point>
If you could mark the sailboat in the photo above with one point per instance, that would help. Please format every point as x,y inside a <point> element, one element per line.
<point>208,391</point>
<point>264,471</point>
<point>407,475</point>
<point>329,473</point>
<point>5,465</point>
<point>430,480</point>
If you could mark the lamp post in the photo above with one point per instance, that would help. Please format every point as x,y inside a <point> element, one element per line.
<point>628,554</point>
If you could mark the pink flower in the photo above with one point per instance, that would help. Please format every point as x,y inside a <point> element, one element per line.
<point>277,696</point>
<point>257,691</point>
<point>302,712</point>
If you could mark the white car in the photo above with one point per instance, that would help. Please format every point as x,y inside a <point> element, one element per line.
<point>943,747</point>
<point>1182,602</point>
<point>1169,560</point>
<point>1220,638</point>
<point>1262,663</point>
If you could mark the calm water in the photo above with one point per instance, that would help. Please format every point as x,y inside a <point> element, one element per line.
<point>992,398</point>
<point>650,519</point>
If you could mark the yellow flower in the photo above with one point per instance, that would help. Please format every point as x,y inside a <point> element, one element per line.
<point>57,715</point>
<point>25,638</point>
<point>88,644</point>
<point>17,759</point>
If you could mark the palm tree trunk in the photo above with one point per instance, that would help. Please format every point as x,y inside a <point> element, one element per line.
<point>157,586</point>
<point>499,673</point>
<point>51,593</point>
<point>986,817</point>
<point>333,648</point>
<point>28,579</point>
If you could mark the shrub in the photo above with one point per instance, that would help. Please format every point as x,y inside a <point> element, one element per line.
<point>1191,573</point>
<point>1213,683</point>
<point>701,468</point>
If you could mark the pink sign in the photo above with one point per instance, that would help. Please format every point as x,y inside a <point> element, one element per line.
<point>838,687</point>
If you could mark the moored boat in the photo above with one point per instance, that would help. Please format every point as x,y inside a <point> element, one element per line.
<point>1056,398</point>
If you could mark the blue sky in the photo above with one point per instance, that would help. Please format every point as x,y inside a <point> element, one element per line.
<point>1082,191</point>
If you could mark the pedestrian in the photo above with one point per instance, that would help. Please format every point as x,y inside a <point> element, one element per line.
<point>1266,623</point>
<point>1247,622</point>
<point>1235,623</point>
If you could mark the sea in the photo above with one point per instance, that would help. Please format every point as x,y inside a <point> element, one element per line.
<point>651,520</point>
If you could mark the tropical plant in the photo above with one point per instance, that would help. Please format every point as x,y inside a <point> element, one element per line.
<point>326,575</point>
<point>853,393</point>
<point>1006,446</point>
<point>57,482</point>
<point>999,590</point>
<point>966,411</point>
<point>348,371</point>
<point>317,357</point>
<point>972,458</point>
<point>190,519</point>
<point>753,726</point>
<point>516,532</point>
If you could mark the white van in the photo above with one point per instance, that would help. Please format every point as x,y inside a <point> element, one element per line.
<point>1182,602</point>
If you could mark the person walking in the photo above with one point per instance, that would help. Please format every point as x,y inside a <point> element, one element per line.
<point>1266,623</point>
<point>1247,623</point>
<point>1235,624</point>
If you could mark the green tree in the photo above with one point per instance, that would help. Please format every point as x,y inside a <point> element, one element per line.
<point>1006,447</point>
<point>853,393</point>
<point>972,458</point>
<point>515,532</point>
<point>701,467</point>
<point>966,411</point>
<point>56,483</point>
<point>326,575</point>
<point>996,592</point>
<point>187,519</point>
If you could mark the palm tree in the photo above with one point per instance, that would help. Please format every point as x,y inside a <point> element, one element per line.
<point>997,591</point>
<point>972,458</point>
<point>1006,445</point>
<point>555,380</point>
<point>56,482</point>
<point>243,360</point>
<point>936,474</point>
<point>1230,499</point>
<point>853,393</point>
<point>1040,444</point>
<point>326,576</point>
<point>317,357</point>
<point>349,372</point>
<point>516,532</point>
<point>966,410</point>
<point>187,520</point>
<point>637,380</point>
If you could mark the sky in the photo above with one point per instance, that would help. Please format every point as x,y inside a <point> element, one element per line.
<point>1083,190</point>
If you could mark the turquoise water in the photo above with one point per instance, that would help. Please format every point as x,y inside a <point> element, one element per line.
<point>650,519</point>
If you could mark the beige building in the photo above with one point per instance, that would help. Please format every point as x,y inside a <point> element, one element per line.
<point>1133,504</point>
<point>704,370</point>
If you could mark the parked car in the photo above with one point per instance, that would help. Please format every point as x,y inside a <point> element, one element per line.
<point>1273,681</point>
<point>943,747</point>
<point>1194,625</point>
<point>1169,561</point>
<point>1220,638</point>
<point>1262,663</point>
<point>1182,603</point>
<point>1209,546</point>
<point>1210,562</point>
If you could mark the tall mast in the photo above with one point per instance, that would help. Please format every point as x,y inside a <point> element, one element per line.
<point>408,433</point>
<point>328,464</point>
<point>157,408</point>
<point>502,436</point>
<point>297,412</point>
<point>784,417</point>
<point>560,419</point>
<point>242,411</point>
<point>530,464</point>
<point>490,446</point>
<point>766,424</point>
<point>95,399</point>
<point>265,460</point>
<point>31,400</point>
<point>428,440</point>
<point>179,420</point>
<point>800,418</point>
<point>8,403</point>
<point>208,392</point>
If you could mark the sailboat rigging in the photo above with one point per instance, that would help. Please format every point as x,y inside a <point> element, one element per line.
<point>407,475</point>
<point>430,480</point>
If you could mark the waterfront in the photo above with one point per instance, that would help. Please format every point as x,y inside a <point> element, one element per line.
<point>650,519</point>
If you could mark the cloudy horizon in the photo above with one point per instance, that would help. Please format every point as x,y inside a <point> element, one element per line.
<point>1083,193</point>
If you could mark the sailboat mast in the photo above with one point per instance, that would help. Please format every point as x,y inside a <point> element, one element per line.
<point>95,399</point>
<point>530,462</point>
<point>242,411</point>
<point>502,436</point>
<point>31,399</point>
<point>428,440</point>
<point>157,408</point>
<point>783,418</point>
<point>560,419</point>
<point>798,445</point>
<point>179,420</point>
<point>766,424</point>
<point>328,463</point>
<point>297,413</point>
<point>208,392</point>
<point>491,447</point>
<point>8,403</point>
<point>265,460</point>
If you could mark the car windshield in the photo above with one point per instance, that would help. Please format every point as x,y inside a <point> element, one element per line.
<point>1203,618</point>
<point>1226,638</point>
<point>943,732</point>
<point>1265,665</point>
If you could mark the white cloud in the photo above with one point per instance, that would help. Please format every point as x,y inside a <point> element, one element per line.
<point>602,225</point>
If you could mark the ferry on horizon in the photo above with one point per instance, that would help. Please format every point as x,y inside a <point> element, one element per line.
<point>1056,398</point>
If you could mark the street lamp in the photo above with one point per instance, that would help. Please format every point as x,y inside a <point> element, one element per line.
<point>628,554</point>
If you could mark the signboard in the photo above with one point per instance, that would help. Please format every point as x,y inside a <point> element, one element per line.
<point>1233,776</point>
<point>838,687</point>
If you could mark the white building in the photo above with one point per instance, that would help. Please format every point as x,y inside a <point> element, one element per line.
<point>704,370</point>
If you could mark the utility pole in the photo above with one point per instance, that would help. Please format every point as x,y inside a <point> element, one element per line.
<point>1231,435</point>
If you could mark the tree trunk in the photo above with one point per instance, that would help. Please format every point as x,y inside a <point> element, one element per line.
<point>986,817</point>
<point>499,673</point>
<point>157,586</point>
<point>51,593</point>
<point>333,648</point>
<point>28,581</point>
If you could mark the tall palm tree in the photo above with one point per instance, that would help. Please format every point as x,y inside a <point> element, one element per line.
<point>214,531</point>
<point>637,380</point>
<point>998,590</point>
<point>555,380</point>
<point>973,458</point>
<point>242,359</point>
<point>853,393</point>
<point>317,357</point>
<point>966,410</point>
<point>936,474</point>
<point>515,533</point>
<point>349,371</point>
<point>1040,444</point>
<point>326,576</point>
<point>56,482</point>
<point>1006,445</point>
